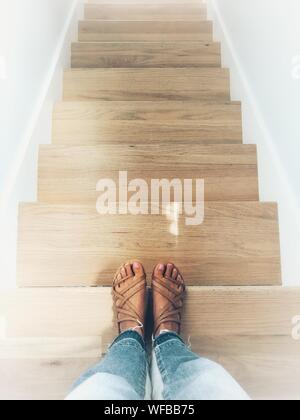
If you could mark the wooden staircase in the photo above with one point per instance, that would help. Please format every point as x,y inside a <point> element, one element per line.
<point>147,94</point>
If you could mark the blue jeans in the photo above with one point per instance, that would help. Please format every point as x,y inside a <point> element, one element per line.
<point>176,373</point>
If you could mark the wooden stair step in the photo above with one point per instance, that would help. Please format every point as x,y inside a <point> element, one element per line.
<point>68,175</point>
<point>217,113</point>
<point>267,367</point>
<point>69,245</point>
<point>147,84</point>
<point>143,55</point>
<point>247,330</point>
<point>122,31</point>
<point>208,312</point>
<point>52,347</point>
<point>149,12</point>
<point>135,132</point>
<point>44,368</point>
<point>98,122</point>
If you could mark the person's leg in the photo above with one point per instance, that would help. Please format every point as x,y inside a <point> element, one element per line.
<point>178,373</point>
<point>123,373</point>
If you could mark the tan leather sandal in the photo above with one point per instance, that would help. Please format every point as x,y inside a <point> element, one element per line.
<point>168,295</point>
<point>129,293</point>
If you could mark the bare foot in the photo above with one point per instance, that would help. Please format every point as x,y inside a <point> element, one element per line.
<point>129,291</point>
<point>168,290</point>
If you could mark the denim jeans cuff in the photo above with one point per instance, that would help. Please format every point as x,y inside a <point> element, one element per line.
<point>165,337</point>
<point>130,334</point>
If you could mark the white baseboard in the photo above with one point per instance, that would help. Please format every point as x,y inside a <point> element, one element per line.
<point>274,182</point>
<point>22,181</point>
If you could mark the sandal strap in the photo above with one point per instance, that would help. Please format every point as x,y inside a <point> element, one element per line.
<point>124,306</point>
<point>171,312</point>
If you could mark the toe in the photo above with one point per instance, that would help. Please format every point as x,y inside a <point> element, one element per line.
<point>169,270</point>
<point>123,272</point>
<point>129,270</point>
<point>138,269</point>
<point>159,271</point>
<point>175,274</point>
<point>118,279</point>
<point>181,283</point>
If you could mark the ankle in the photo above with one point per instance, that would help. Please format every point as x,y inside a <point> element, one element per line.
<point>169,327</point>
<point>136,327</point>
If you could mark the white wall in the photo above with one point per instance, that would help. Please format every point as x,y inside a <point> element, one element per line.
<point>261,46</point>
<point>35,39</point>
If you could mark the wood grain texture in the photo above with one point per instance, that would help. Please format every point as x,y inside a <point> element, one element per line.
<point>31,348</point>
<point>122,31</point>
<point>134,132</point>
<point>68,175</point>
<point>148,12</point>
<point>191,122</point>
<point>143,55</point>
<point>146,84</point>
<point>218,113</point>
<point>44,368</point>
<point>238,244</point>
<point>268,367</point>
<point>208,312</point>
<point>247,330</point>
<point>40,379</point>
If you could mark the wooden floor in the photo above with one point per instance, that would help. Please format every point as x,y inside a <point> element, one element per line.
<point>146,94</point>
<point>246,329</point>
